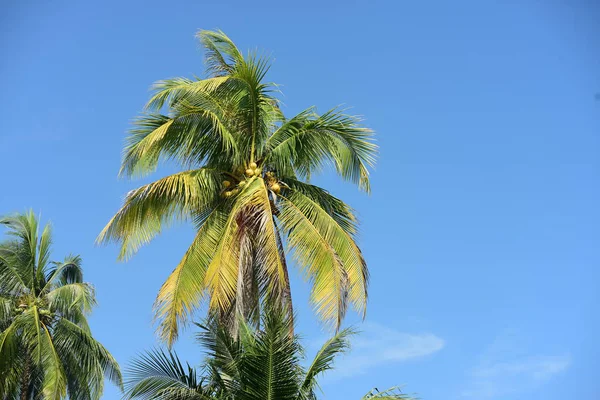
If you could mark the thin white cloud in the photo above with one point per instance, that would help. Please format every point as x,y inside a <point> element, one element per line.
<point>505,370</point>
<point>377,345</point>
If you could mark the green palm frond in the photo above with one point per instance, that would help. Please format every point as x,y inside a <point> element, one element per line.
<point>309,141</point>
<point>222,56</point>
<point>65,272</point>
<point>159,374</point>
<point>72,298</point>
<point>393,393</point>
<point>269,369</point>
<point>72,339</point>
<point>324,359</point>
<point>256,364</point>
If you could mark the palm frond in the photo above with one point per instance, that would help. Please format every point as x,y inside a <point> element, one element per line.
<point>324,359</point>
<point>222,273</point>
<point>191,136</point>
<point>171,91</point>
<point>72,299</point>
<point>342,213</point>
<point>269,369</point>
<point>221,54</point>
<point>14,279</point>
<point>320,261</point>
<point>148,208</point>
<point>95,362</point>
<point>309,141</point>
<point>393,393</point>
<point>184,288</point>
<point>157,373</point>
<point>65,272</point>
<point>340,242</point>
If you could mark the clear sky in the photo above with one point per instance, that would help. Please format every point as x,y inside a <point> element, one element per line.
<point>482,230</point>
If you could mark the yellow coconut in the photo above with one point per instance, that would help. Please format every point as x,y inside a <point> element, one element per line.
<point>242,184</point>
<point>249,172</point>
<point>252,165</point>
<point>226,184</point>
<point>227,194</point>
<point>257,171</point>
<point>275,187</point>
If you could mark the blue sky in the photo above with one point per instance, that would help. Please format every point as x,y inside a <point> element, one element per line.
<point>482,230</point>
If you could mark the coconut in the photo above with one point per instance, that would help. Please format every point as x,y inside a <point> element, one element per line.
<point>252,165</point>
<point>275,187</point>
<point>226,184</point>
<point>257,171</point>
<point>242,184</point>
<point>249,172</point>
<point>227,194</point>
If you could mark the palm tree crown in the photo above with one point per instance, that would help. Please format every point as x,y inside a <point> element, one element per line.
<point>245,186</point>
<point>258,364</point>
<point>46,347</point>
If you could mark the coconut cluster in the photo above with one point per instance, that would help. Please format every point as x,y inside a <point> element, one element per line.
<point>272,182</point>
<point>251,171</point>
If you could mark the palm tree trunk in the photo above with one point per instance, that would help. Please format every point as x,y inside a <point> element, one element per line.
<point>287,293</point>
<point>25,379</point>
<point>246,292</point>
<point>287,290</point>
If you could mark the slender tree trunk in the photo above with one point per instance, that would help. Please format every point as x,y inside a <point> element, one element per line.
<point>288,296</point>
<point>287,290</point>
<point>26,378</point>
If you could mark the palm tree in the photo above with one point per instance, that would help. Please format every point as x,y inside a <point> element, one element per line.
<point>46,347</point>
<point>245,186</point>
<point>255,365</point>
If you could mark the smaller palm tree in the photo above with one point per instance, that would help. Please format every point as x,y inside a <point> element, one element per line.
<point>258,364</point>
<point>46,347</point>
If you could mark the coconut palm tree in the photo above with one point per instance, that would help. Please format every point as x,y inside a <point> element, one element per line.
<point>258,364</point>
<point>46,347</point>
<point>244,184</point>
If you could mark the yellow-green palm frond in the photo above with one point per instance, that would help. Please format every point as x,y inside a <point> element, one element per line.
<point>193,135</point>
<point>341,212</point>
<point>148,208</point>
<point>182,292</point>
<point>318,259</point>
<point>343,259</point>
<point>169,92</point>
<point>222,272</point>
<point>268,254</point>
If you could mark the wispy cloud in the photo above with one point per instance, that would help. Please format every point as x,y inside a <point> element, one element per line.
<point>377,345</point>
<point>505,370</point>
